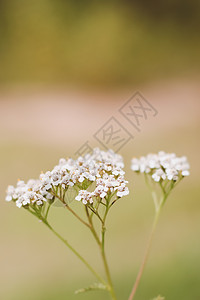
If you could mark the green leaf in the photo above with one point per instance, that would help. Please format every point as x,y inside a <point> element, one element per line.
<point>93,287</point>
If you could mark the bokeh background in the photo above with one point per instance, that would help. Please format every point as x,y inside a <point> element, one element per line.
<point>66,67</point>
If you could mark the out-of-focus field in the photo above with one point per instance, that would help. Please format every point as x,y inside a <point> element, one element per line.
<point>38,129</point>
<point>98,43</point>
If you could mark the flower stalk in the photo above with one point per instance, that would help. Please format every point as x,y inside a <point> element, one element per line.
<point>84,261</point>
<point>146,255</point>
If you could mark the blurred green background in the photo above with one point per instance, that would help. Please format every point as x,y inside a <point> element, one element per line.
<point>98,42</point>
<point>65,68</point>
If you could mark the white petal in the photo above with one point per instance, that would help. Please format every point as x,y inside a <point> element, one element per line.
<point>8,198</point>
<point>78,198</point>
<point>103,194</point>
<point>185,173</point>
<point>19,204</point>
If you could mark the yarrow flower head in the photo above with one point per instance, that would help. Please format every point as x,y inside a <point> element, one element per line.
<point>162,166</point>
<point>164,169</point>
<point>30,193</point>
<point>106,169</point>
<point>102,169</point>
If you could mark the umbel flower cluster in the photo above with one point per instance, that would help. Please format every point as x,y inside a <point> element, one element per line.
<point>162,166</point>
<point>164,170</point>
<point>103,169</point>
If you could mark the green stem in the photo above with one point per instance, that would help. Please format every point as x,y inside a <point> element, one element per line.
<point>162,188</point>
<point>103,231</point>
<point>92,226</point>
<point>47,211</point>
<point>76,215</point>
<point>71,210</point>
<point>101,243</point>
<point>95,212</point>
<point>146,254</point>
<point>155,199</point>
<point>158,206</point>
<point>75,252</point>
<point>111,289</point>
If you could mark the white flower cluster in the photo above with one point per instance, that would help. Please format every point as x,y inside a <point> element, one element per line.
<point>24,194</point>
<point>105,185</point>
<point>104,168</point>
<point>162,166</point>
<point>107,170</point>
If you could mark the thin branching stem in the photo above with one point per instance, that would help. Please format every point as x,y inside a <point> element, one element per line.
<point>76,215</point>
<point>148,247</point>
<point>71,210</point>
<point>76,253</point>
<point>41,218</point>
<point>146,254</point>
<point>101,243</point>
<point>47,211</point>
<point>107,270</point>
<point>94,233</point>
<point>95,212</point>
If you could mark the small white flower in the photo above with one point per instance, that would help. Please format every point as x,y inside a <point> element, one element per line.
<point>18,203</point>
<point>185,173</point>
<point>85,197</point>
<point>122,192</point>
<point>62,161</point>
<point>46,180</point>
<point>117,172</point>
<point>39,202</point>
<point>158,175</point>
<point>78,198</point>
<point>172,174</point>
<point>81,178</point>
<point>8,198</point>
<point>135,165</point>
<point>103,194</point>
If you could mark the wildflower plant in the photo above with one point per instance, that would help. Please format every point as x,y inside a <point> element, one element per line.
<point>98,180</point>
<point>162,173</point>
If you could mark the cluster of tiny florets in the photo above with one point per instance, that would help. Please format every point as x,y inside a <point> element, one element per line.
<point>28,193</point>
<point>105,185</point>
<point>162,166</point>
<point>106,169</point>
<point>103,168</point>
